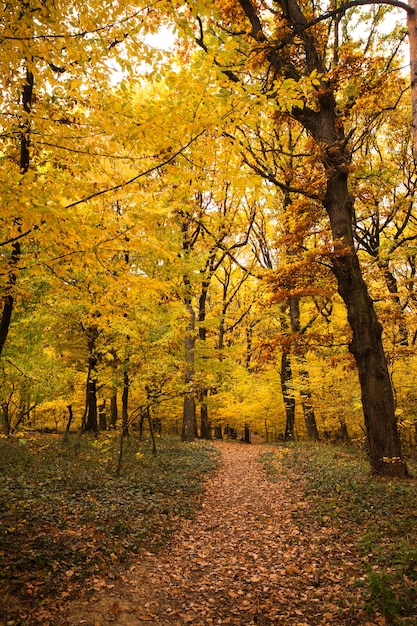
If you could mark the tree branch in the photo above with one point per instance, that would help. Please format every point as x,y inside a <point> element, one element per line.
<point>357,3</point>
<point>135,178</point>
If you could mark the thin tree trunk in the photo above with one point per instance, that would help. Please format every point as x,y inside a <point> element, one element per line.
<point>90,419</point>
<point>70,418</point>
<point>307,402</point>
<point>148,415</point>
<point>125,401</point>
<point>189,421</point>
<point>113,411</point>
<point>6,418</point>
<point>288,395</point>
<point>392,285</point>
<point>305,389</point>
<point>205,428</point>
<point>102,417</point>
<point>412,41</point>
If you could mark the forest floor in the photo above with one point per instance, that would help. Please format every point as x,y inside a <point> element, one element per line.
<point>253,554</point>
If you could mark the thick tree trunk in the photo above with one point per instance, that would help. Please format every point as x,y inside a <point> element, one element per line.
<point>189,423</point>
<point>366,346</point>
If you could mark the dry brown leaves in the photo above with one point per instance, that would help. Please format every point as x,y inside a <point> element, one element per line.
<point>242,560</point>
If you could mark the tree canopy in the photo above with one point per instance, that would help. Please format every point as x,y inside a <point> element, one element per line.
<point>219,232</point>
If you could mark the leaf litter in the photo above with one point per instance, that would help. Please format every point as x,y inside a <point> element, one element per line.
<point>242,559</point>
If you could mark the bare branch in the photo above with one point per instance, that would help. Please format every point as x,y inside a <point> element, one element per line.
<point>356,3</point>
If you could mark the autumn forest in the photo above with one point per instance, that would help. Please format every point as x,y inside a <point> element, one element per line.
<point>208,220</point>
<point>208,232</point>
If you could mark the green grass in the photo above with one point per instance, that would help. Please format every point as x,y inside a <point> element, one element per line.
<point>380,513</point>
<point>66,518</point>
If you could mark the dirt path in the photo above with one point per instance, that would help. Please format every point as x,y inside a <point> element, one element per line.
<point>242,560</point>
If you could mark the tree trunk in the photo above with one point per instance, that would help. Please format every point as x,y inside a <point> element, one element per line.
<point>102,417</point>
<point>366,345</point>
<point>90,417</point>
<point>70,418</point>
<point>205,428</point>
<point>392,286</point>
<point>305,390</point>
<point>288,395</point>
<point>113,411</point>
<point>125,402</point>
<point>189,420</point>
<point>246,436</point>
<point>218,434</point>
<point>307,403</point>
<point>6,418</point>
<point>91,424</point>
<point>412,40</point>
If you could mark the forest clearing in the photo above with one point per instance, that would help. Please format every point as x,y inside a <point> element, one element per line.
<point>271,535</point>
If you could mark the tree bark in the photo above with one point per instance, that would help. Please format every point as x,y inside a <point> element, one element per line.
<point>366,345</point>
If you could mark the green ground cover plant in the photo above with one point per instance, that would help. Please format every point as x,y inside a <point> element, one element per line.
<point>380,513</point>
<point>68,522</point>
